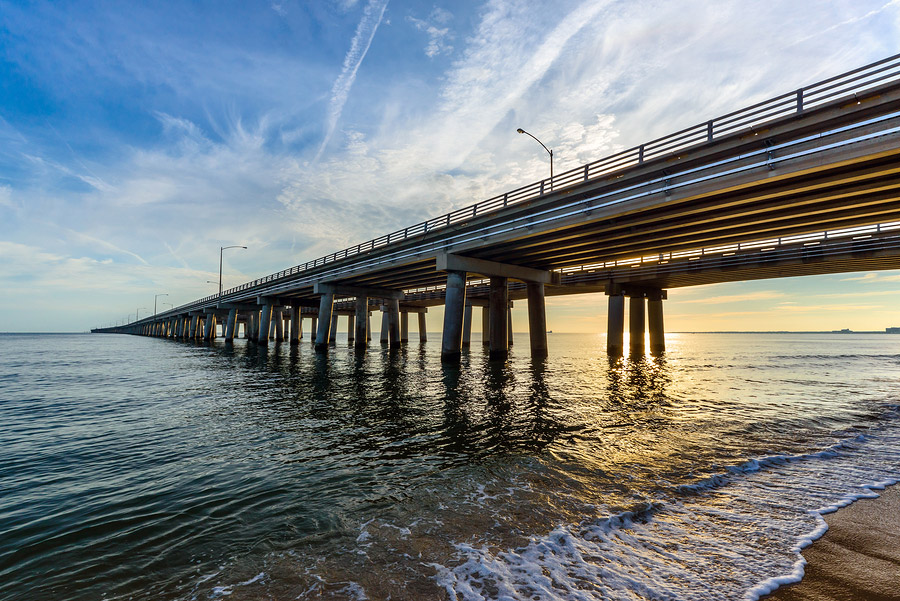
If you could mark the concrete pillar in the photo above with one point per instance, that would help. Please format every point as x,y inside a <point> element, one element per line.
<point>454,309</point>
<point>351,319</point>
<point>272,323</point>
<point>332,333</point>
<point>485,326</point>
<point>326,306</point>
<point>394,337</point>
<point>636,325</point>
<point>467,327</point>
<point>655,319</point>
<point>195,323</point>
<point>369,326</point>
<point>208,322</point>
<point>385,325</point>
<point>362,322</point>
<point>278,319</point>
<point>265,320</point>
<point>295,324</point>
<point>499,306</point>
<point>314,328</point>
<point>509,331</point>
<point>537,320</point>
<point>404,327</point>
<point>230,325</point>
<point>423,332</point>
<point>615,329</point>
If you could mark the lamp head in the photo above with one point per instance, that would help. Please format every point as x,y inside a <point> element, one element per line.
<point>520,130</point>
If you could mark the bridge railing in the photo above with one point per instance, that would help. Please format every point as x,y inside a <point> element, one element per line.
<point>847,85</point>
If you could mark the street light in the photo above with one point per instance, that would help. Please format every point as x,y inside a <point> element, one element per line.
<point>137,311</point>
<point>222,250</point>
<point>154,301</point>
<point>550,152</point>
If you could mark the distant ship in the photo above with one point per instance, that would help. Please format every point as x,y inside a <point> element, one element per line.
<point>894,330</point>
<point>842,331</point>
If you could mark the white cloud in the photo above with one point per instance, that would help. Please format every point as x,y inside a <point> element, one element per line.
<point>438,37</point>
<point>359,46</point>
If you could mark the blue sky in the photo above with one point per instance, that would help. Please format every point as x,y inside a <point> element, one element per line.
<point>135,139</point>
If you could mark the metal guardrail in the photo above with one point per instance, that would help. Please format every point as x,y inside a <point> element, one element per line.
<point>746,119</point>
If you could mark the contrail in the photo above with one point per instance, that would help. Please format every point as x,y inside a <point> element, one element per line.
<point>365,32</point>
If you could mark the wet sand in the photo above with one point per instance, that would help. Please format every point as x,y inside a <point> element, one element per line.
<point>857,559</point>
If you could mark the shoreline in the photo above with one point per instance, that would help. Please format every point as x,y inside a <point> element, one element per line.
<point>856,558</point>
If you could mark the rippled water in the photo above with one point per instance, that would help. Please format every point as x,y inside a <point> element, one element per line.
<point>137,468</point>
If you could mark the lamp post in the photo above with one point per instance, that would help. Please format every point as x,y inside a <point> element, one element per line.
<point>154,301</point>
<point>550,152</point>
<point>137,311</point>
<point>222,250</point>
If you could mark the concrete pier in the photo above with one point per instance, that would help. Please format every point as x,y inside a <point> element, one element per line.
<point>655,322</point>
<point>385,325</point>
<point>467,326</point>
<point>404,327</point>
<point>278,318</point>
<point>537,320</point>
<point>393,311</point>
<point>332,332</point>
<point>485,326</point>
<point>499,308</point>
<point>454,308</point>
<point>423,330</point>
<point>265,318</point>
<point>361,338</point>
<point>230,325</point>
<point>326,306</point>
<point>296,324</point>
<point>351,318</point>
<point>615,328</point>
<point>636,324</point>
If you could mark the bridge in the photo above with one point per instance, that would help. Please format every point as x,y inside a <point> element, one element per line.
<point>805,183</point>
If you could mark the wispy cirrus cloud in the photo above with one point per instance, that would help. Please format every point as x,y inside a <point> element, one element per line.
<point>359,46</point>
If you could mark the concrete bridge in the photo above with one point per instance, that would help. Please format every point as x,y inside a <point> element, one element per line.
<point>805,183</point>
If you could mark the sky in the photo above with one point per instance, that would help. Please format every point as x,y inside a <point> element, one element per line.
<point>138,138</point>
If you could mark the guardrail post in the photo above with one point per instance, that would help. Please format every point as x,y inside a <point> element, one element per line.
<point>640,154</point>
<point>800,100</point>
<point>709,130</point>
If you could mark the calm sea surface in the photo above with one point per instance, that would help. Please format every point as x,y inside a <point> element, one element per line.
<point>138,468</point>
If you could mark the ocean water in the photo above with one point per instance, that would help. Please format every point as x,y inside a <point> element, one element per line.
<point>139,468</point>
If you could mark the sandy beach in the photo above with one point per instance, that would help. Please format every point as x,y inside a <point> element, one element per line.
<point>857,559</point>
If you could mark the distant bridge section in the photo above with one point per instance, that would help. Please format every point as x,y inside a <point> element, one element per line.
<point>805,183</point>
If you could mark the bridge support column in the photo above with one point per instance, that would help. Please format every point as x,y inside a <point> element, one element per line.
<point>509,331</point>
<point>615,328</point>
<point>351,321</point>
<point>361,337</point>
<point>423,332</point>
<point>467,327</point>
<point>278,318</point>
<point>454,308</point>
<point>314,328</point>
<point>208,325</point>
<point>265,320</point>
<point>499,307</point>
<point>230,325</point>
<point>195,324</point>
<point>636,325</point>
<point>326,306</point>
<point>393,312</point>
<point>368,326</point>
<point>404,327</point>
<point>537,320</point>
<point>385,325</point>
<point>655,319</point>
<point>295,324</point>
<point>485,326</point>
<point>332,333</point>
